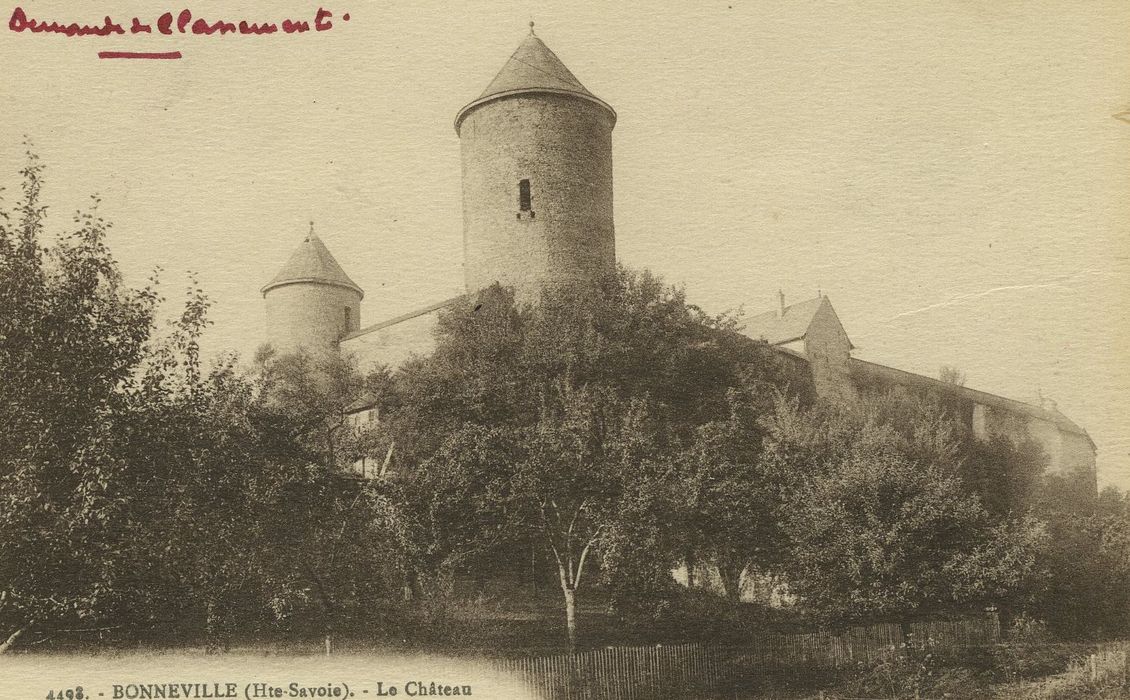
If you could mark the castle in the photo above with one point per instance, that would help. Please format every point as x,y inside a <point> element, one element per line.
<point>537,212</point>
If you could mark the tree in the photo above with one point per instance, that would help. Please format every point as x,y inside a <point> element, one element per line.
<point>1007,475</point>
<point>473,376</point>
<point>731,499</point>
<point>881,525</point>
<point>572,485</point>
<point>71,338</point>
<point>313,393</point>
<point>450,509</point>
<point>263,529</point>
<point>140,488</point>
<point>559,388</point>
<point>335,557</point>
<point>951,375</point>
<point>1088,557</point>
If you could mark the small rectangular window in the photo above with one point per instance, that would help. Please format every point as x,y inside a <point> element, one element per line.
<point>348,320</point>
<point>523,195</point>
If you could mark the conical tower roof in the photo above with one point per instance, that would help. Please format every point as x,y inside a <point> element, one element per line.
<point>533,67</point>
<point>312,262</point>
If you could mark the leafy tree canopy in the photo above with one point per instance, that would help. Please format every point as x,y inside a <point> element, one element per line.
<point>880,523</point>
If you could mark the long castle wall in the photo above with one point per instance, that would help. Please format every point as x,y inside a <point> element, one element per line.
<point>1069,450</point>
<point>395,341</point>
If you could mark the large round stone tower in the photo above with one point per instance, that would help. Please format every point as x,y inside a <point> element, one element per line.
<point>537,178</point>
<point>311,303</point>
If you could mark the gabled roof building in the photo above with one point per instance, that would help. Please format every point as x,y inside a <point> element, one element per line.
<point>811,330</point>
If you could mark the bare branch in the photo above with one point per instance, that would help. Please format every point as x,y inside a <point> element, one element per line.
<point>577,512</point>
<point>581,564</point>
<point>13,637</point>
<point>388,459</point>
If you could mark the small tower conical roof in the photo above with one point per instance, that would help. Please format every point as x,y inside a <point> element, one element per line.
<point>533,67</point>
<point>312,263</point>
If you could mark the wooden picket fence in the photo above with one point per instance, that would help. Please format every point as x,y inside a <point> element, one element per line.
<point>693,670</point>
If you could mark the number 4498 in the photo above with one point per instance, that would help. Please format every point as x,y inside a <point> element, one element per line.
<point>68,694</point>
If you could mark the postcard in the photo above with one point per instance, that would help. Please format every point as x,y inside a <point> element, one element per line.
<point>367,349</point>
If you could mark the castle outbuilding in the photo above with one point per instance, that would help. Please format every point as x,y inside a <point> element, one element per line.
<point>811,332</point>
<point>537,213</point>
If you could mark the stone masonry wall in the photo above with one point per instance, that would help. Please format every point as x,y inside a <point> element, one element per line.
<point>563,146</point>
<point>828,350</point>
<point>310,315</point>
<point>394,344</point>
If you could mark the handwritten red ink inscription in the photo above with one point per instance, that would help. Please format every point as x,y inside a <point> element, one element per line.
<point>169,23</point>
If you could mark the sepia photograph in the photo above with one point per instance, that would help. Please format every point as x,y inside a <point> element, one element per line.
<point>559,349</point>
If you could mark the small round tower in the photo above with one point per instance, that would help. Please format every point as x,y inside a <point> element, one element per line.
<point>537,178</point>
<point>311,303</point>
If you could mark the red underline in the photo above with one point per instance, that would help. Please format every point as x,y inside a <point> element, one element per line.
<point>138,54</point>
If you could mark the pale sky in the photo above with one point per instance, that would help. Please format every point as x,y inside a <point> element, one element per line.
<point>948,173</point>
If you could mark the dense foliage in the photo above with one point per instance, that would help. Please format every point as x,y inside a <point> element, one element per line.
<point>880,523</point>
<point>71,339</point>
<point>142,491</point>
<point>597,440</point>
<point>582,418</point>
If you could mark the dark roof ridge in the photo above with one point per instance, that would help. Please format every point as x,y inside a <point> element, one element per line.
<point>404,317</point>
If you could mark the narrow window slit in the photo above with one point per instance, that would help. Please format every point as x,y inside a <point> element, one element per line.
<point>524,195</point>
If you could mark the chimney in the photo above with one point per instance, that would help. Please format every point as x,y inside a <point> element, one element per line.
<point>781,296</point>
